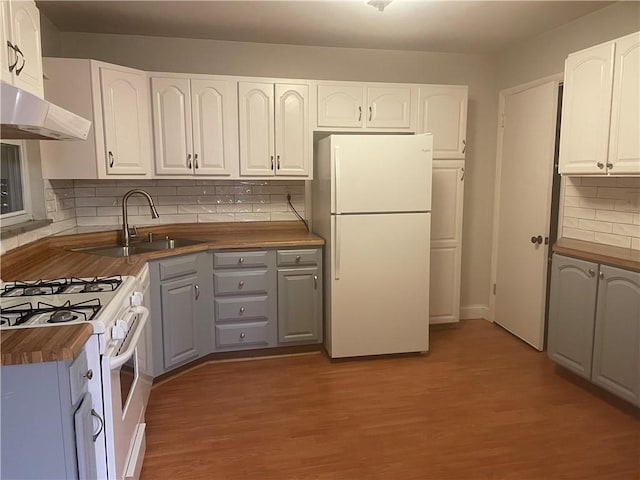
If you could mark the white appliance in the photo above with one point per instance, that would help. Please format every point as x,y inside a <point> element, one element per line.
<point>120,379</point>
<point>371,204</point>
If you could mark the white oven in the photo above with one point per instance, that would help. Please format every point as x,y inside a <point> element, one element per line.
<point>126,387</point>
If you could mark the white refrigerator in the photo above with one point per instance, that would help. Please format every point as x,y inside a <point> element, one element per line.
<point>371,203</point>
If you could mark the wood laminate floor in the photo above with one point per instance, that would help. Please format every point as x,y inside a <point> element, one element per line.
<point>481,405</point>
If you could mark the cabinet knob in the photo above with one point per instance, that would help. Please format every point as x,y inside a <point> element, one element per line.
<point>111,159</point>
<point>241,260</point>
<point>600,165</point>
<point>297,258</point>
<point>241,310</point>
<point>89,374</point>
<point>240,284</point>
<point>601,275</point>
<point>13,47</point>
<point>609,165</point>
<point>359,112</point>
<point>242,335</point>
<point>592,272</point>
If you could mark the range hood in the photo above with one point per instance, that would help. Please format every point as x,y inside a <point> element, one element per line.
<point>27,117</point>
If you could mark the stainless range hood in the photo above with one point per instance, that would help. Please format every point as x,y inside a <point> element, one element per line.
<point>27,117</point>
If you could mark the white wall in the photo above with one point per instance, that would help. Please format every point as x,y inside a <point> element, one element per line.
<point>237,58</point>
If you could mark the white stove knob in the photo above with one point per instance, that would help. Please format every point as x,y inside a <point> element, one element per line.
<point>123,325</point>
<point>136,299</point>
<point>117,333</point>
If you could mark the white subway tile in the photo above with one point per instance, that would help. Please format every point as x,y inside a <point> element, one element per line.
<point>572,201</point>
<point>197,209</point>
<point>597,203</point>
<point>570,222</point>
<point>573,181</point>
<point>234,190</point>
<point>63,192</point>
<point>580,191</point>
<point>252,199</point>
<point>631,204</point>
<point>61,183</point>
<point>295,190</point>
<point>85,221</point>
<point>97,202</point>
<point>165,209</point>
<point>615,240</point>
<point>8,243</point>
<point>177,200</point>
<point>87,211</point>
<point>245,183</point>
<point>636,219</point>
<point>176,183</point>
<point>57,227</point>
<point>598,182</point>
<point>270,190</point>
<point>626,229</point>
<point>49,194</point>
<point>578,234</point>
<point>629,182</point>
<point>614,192</point>
<point>133,183</point>
<point>62,215</point>
<point>216,199</point>
<point>588,213</point>
<point>270,207</point>
<point>635,243</point>
<point>196,190</point>
<point>595,226</point>
<point>238,208</point>
<point>615,217</point>
<point>51,206</point>
<point>252,217</point>
<point>283,217</point>
<point>94,183</point>
<point>84,192</point>
<point>216,217</point>
<point>67,203</point>
<point>179,218</point>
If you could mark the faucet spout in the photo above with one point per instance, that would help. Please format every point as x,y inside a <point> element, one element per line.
<point>125,223</point>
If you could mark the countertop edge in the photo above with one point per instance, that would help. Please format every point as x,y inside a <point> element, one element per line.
<point>614,256</point>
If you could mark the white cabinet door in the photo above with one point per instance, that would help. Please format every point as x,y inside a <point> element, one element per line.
<point>624,142</point>
<point>292,129</point>
<point>172,126</point>
<point>586,106</point>
<point>7,54</point>
<point>340,105</point>
<point>443,112</point>
<point>25,33</point>
<point>125,112</point>
<point>256,128</point>
<point>388,107</point>
<point>446,240</point>
<point>215,133</point>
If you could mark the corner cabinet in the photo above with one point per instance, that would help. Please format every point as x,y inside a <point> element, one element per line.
<point>195,126</point>
<point>116,100</point>
<point>442,111</point>
<point>275,138</point>
<point>601,110</point>
<point>21,54</point>
<point>354,105</point>
<point>594,324</point>
<point>446,241</point>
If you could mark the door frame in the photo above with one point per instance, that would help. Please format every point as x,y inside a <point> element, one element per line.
<point>503,94</point>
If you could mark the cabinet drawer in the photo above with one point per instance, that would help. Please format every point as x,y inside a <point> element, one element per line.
<point>78,377</point>
<point>230,283</point>
<point>239,259</point>
<point>297,257</point>
<point>237,334</point>
<point>179,266</point>
<point>238,308</point>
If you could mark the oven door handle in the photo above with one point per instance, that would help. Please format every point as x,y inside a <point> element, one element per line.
<point>123,357</point>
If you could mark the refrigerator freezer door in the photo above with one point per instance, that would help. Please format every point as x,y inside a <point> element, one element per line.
<point>379,280</point>
<point>382,173</point>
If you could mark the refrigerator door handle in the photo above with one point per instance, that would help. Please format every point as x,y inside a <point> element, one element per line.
<point>336,246</point>
<point>336,176</point>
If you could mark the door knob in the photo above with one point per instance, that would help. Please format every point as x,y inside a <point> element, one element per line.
<point>537,239</point>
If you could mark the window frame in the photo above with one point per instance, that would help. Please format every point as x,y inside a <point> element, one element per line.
<point>26,214</point>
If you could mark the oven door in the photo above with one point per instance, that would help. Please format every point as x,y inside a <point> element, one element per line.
<point>126,393</point>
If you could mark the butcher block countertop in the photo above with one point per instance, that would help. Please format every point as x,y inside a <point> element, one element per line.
<point>43,344</point>
<point>595,252</point>
<point>51,257</point>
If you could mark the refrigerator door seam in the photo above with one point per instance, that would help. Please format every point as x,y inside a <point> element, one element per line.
<point>337,249</point>
<point>336,176</point>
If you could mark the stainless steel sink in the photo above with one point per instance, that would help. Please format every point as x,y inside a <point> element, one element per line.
<point>137,248</point>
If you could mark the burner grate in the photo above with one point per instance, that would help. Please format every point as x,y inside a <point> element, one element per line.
<point>62,285</point>
<point>47,313</point>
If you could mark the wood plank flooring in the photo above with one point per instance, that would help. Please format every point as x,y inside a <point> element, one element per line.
<point>480,405</point>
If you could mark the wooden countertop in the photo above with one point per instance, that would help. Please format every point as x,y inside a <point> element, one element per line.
<point>595,252</point>
<point>43,344</point>
<point>50,258</point>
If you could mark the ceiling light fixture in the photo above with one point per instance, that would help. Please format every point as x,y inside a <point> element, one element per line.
<point>379,4</point>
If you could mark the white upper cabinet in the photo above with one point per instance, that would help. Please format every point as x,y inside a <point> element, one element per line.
<point>21,46</point>
<point>116,100</point>
<point>352,106</point>
<point>442,111</point>
<point>600,110</point>
<point>624,142</point>
<point>194,126</point>
<point>125,113</point>
<point>274,129</point>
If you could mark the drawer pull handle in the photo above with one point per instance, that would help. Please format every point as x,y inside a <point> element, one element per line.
<point>601,275</point>
<point>315,282</point>
<point>297,258</point>
<point>241,310</point>
<point>88,375</point>
<point>242,335</point>
<point>197,289</point>
<point>241,260</point>
<point>240,284</point>
<point>95,414</point>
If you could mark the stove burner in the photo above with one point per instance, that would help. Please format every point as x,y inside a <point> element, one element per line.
<point>4,321</point>
<point>62,316</point>
<point>92,287</point>
<point>35,291</point>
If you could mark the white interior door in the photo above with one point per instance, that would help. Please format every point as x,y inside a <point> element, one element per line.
<point>382,173</point>
<point>524,204</point>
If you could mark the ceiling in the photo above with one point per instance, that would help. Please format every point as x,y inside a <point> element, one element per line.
<point>437,26</point>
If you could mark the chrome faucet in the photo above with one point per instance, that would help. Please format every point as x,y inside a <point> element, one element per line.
<point>125,225</point>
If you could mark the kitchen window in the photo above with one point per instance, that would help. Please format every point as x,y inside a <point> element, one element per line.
<point>14,184</point>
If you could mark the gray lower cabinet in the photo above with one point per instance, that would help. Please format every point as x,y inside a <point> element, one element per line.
<point>594,324</point>
<point>182,317</point>
<point>299,297</point>
<point>47,420</point>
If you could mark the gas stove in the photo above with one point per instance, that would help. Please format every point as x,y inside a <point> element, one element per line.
<point>62,301</point>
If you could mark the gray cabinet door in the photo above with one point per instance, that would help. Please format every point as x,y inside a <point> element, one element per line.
<point>616,350</point>
<point>179,321</point>
<point>299,305</point>
<point>571,313</point>
<point>83,421</point>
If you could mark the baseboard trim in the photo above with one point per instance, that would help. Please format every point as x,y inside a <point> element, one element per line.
<point>474,311</point>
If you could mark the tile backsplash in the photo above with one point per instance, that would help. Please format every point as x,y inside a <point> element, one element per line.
<point>602,210</point>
